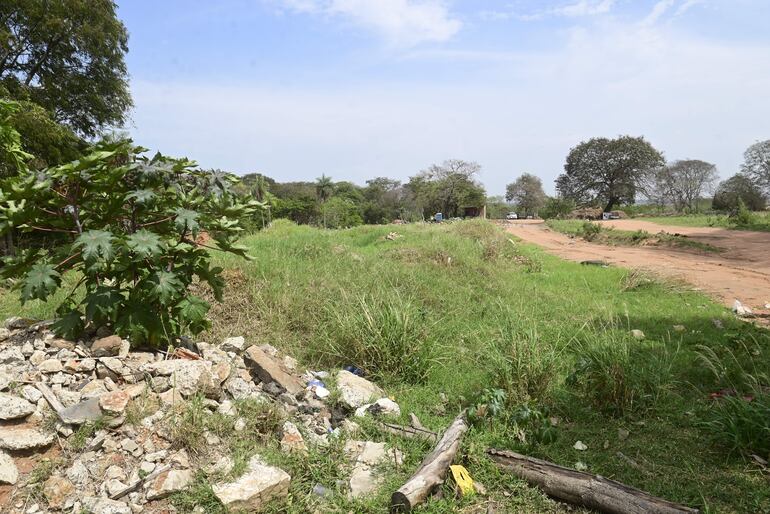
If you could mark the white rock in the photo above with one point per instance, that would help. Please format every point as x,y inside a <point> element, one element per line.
<point>740,309</point>
<point>31,393</point>
<point>187,377</point>
<point>260,484</point>
<point>78,473</point>
<point>637,334</point>
<point>383,406</point>
<point>9,474</point>
<point>24,438</point>
<point>14,407</point>
<point>168,483</point>
<point>12,355</point>
<point>234,344</point>
<point>368,457</point>
<point>580,446</point>
<point>96,505</point>
<point>4,334</point>
<point>50,366</point>
<point>356,391</point>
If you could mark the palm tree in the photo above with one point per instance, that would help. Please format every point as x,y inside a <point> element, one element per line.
<point>324,189</point>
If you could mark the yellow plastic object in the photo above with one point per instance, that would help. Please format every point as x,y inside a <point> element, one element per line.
<point>463,480</point>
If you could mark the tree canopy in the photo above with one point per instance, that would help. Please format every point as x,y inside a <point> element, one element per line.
<point>607,171</point>
<point>756,164</point>
<point>68,57</point>
<point>738,187</point>
<point>526,192</point>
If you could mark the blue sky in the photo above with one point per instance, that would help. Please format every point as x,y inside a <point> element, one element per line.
<point>363,88</point>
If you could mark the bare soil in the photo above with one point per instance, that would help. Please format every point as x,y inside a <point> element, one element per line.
<point>741,271</point>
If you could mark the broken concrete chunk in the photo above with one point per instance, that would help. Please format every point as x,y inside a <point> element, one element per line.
<point>9,474</point>
<point>23,437</point>
<point>14,407</point>
<point>292,440</point>
<point>56,490</point>
<point>260,484</point>
<point>50,366</point>
<point>169,482</point>
<point>269,369</point>
<point>106,346</point>
<point>356,391</point>
<point>87,410</point>
<point>234,344</point>
<point>96,505</point>
<point>366,457</point>
<point>188,377</point>
<point>383,406</point>
<point>115,402</point>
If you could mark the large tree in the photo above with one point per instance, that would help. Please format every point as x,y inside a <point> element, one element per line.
<point>738,187</point>
<point>67,56</point>
<point>687,181</point>
<point>526,192</point>
<point>607,171</point>
<point>448,187</point>
<point>756,164</point>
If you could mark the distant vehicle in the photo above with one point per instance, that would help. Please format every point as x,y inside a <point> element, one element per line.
<point>511,216</point>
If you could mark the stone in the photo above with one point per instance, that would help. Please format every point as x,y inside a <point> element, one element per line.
<point>156,456</point>
<point>77,473</point>
<point>22,437</point>
<point>93,389</point>
<point>86,365</point>
<point>114,486</point>
<point>6,380</point>
<point>222,465</point>
<point>106,346</point>
<point>169,482</point>
<point>234,344</point>
<point>383,406</point>
<point>239,388</point>
<point>188,377</point>
<point>740,309</point>
<point>50,366</point>
<point>580,446</point>
<point>147,467</point>
<point>87,410</point>
<point>227,408</point>
<point>260,484</point>
<point>267,369</point>
<point>4,334</point>
<point>367,457</point>
<point>9,473</point>
<point>637,334</point>
<point>56,490</point>
<point>239,425</point>
<point>37,357</point>
<point>12,355</point>
<point>171,398</point>
<point>14,407</point>
<point>356,391</point>
<point>97,505</point>
<point>114,402</point>
<point>17,323</point>
<point>291,440</point>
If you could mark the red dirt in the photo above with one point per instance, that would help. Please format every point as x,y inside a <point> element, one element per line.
<point>741,271</point>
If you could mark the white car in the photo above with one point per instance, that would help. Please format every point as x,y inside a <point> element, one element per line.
<point>511,216</point>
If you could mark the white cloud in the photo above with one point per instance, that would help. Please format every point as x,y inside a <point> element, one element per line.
<point>402,23</point>
<point>580,8</point>
<point>658,10</point>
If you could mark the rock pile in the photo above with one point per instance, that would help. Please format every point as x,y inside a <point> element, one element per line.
<point>88,426</point>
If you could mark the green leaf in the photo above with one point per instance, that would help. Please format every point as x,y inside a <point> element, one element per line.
<point>95,244</point>
<point>193,312</point>
<point>145,244</point>
<point>103,303</point>
<point>186,220</point>
<point>138,322</point>
<point>140,195</point>
<point>166,286</point>
<point>69,325</point>
<point>41,281</point>
<point>213,277</point>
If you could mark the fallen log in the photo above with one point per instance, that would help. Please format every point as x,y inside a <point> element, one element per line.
<point>432,471</point>
<point>584,489</point>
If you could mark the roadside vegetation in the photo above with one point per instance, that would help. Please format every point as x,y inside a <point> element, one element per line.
<point>538,349</point>
<point>757,221</point>
<point>595,232</point>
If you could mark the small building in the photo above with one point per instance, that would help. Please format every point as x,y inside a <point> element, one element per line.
<point>475,211</point>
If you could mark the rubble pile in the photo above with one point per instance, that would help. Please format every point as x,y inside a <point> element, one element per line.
<point>89,425</point>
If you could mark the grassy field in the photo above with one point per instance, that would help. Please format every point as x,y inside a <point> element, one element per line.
<point>761,221</point>
<point>461,309</point>
<point>598,233</point>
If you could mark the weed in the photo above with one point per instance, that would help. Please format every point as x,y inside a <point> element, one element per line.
<point>198,497</point>
<point>85,432</point>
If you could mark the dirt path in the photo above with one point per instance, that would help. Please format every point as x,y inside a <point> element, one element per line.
<point>741,271</point>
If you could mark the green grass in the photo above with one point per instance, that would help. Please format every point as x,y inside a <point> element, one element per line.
<point>459,309</point>
<point>598,233</point>
<point>761,221</point>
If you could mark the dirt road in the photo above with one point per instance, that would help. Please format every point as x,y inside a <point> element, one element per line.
<point>741,271</point>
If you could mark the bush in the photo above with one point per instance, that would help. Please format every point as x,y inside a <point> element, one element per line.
<point>591,230</point>
<point>618,376</point>
<point>742,217</point>
<point>387,337</point>
<point>134,231</point>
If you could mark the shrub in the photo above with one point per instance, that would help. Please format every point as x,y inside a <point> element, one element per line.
<point>740,418</point>
<point>135,231</point>
<point>619,376</point>
<point>591,230</point>
<point>387,337</point>
<point>742,217</point>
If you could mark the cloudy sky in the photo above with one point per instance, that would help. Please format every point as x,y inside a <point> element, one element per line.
<point>363,88</point>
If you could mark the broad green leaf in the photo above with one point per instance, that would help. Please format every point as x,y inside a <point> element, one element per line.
<point>103,303</point>
<point>41,281</point>
<point>69,325</point>
<point>140,195</point>
<point>95,244</point>
<point>214,279</point>
<point>193,308</point>
<point>166,286</point>
<point>145,243</point>
<point>139,322</point>
<point>187,220</point>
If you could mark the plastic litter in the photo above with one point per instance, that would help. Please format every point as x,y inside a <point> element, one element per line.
<point>463,480</point>
<point>354,370</point>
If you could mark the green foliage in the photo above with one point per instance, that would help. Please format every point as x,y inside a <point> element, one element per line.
<point>135,229</point>
<point>529,425</point>
<point>526,192</point>
<point>67,56</point>
<point>557,207</point>
<point>742,217</point>
<point>738,188</point>
<point>590,230</point>
<point>607,171</point>
<point>12,158</point>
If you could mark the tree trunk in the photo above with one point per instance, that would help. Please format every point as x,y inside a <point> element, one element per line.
<point>610,204</point>
<point>584,489</point>
<point>432,471</point>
